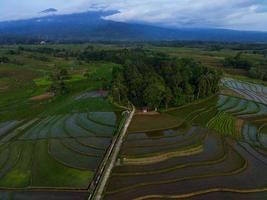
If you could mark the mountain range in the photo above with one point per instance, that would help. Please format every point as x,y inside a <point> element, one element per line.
<point>49,10</point>
<point>91,26</point>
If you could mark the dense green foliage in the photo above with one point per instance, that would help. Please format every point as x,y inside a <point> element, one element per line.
<point>156,80</point>
<point>4,59</point>
<point>58,85</point>
<point>255,69</point>
<point>237,62</point>
<point>259,71</point>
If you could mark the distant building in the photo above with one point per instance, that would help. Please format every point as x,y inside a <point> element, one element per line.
<point>42,42</point>
<point>145,110</point>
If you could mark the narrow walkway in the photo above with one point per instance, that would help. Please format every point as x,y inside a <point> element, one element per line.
<point>109,161</point>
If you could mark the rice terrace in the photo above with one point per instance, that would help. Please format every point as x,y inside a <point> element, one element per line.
<point>119,121</point>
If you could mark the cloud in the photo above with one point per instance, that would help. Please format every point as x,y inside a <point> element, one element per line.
<point>238,14</point>
<point>233,14</point>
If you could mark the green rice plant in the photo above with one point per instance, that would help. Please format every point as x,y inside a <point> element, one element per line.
<point>4,154</point>
<point>204,117</point>
<point>184,111</point>
<point>223,123</point>
<point>194,114</point>
<point>90,104</point>
<point>14,155</point>
<point>19,176</point>
<point>48,172</point>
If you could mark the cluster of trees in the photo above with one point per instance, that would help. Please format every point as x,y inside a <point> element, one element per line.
<point>261,52</point>
<point>156,81</point>
<point>237,62</point>
<point>39,57</point>
<point>117,56</point>
<point>87,55</point>
<point>7,39</point>
<point>255,69</point>
<point>4,59</point>
<point>259,71</point>
<point>56,52</point>
<point>58,85</point>
<point>13,52</point>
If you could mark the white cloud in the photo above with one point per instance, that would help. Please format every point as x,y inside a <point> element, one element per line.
<point>238,14</point>
<point>235,14</point>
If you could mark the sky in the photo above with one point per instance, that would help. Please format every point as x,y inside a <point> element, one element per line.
<point>229,14</point>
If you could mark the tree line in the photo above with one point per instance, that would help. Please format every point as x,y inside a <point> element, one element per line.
<point>156,80</point>
<point>255,69</point>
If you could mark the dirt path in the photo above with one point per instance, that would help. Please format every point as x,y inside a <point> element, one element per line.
<point>163,156</point>
<point>109,161</point>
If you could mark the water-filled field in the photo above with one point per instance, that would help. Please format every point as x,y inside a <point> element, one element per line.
<point>219,151</point>
<point>60,152</point>
<point>250,91</point>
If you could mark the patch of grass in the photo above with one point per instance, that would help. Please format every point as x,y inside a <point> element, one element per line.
<point>47,172</point>
<point>89,104</point>
<point>46,82</point>
<point>146,123</point>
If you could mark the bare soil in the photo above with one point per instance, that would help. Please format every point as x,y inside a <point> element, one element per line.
<point>42,97</point>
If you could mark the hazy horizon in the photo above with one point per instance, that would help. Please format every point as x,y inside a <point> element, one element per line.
<point>239,15</point>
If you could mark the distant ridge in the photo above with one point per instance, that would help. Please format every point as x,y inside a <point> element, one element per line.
<point>91,26</point>
<point>49,10</point>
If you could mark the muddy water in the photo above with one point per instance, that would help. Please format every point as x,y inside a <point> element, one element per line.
<point>177,143</point>
<point>228,174</point>
<point>224,163</point>
<point>235,164</point>
<point>213,149</point>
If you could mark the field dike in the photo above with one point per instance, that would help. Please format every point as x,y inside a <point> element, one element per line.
<point>163,156</point>
<point>134,187</point>
<point>236,170</point>
<point>197,193</point>
<point>216,160</point>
